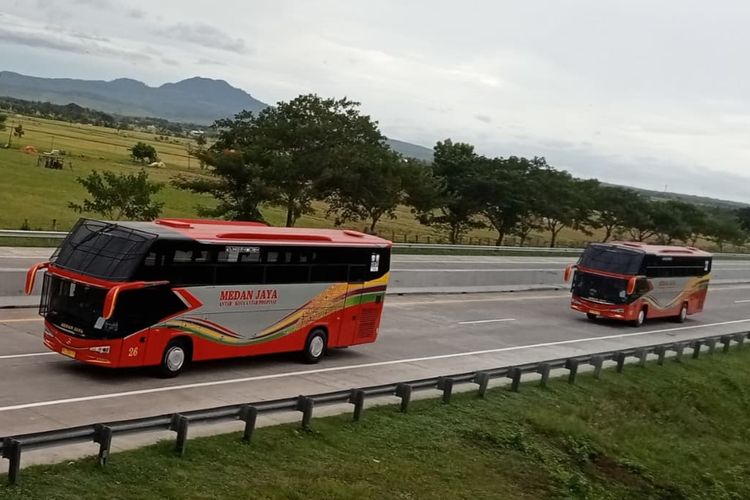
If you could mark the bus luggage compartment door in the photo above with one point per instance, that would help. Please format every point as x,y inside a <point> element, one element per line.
<point>350,314</point>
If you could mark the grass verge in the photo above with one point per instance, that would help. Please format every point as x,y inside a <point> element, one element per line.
<point>678,431</point>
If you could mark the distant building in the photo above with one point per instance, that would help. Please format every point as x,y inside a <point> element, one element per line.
<point>196,133</point>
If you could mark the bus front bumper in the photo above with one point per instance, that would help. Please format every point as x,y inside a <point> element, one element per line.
<point>95,352</point>
<point>621,312</point>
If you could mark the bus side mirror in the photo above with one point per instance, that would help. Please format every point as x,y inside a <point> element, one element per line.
<point>568,273</point>
<point>631,285</point>
<point>31,276</point>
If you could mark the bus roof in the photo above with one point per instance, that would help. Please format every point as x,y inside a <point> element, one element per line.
<point>256,233</point>
<point>662,250</point>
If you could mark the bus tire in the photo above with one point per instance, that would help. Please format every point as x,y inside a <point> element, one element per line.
<point>680,318</point>
<point>591,316</point>
<point>176,356</point>
<point>640,319</point>
<point>315,346</point>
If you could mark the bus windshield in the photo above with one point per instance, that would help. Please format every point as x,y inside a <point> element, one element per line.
<point>103,250</point>
<point>611,259</point>
<point>600,288</point>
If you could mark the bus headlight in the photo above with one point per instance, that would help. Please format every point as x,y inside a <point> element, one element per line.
<point>100,349</point>
<point>620,310</point>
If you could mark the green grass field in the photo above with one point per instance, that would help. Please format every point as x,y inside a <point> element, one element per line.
<point>38,195</point>
<point>679,431</point>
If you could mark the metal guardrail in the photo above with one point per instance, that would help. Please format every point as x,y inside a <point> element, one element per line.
<point>102,433</point>
<point>12,233</point>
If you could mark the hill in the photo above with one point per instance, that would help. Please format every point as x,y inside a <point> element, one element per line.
<point>195,100</point>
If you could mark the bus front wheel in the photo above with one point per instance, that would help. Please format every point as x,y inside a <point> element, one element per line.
<point>175,357</point>
<point>315,347</point>
<point>638,321</point>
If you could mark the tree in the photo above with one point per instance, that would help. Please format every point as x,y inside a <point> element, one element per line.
<point>295,143</point>
<point>454,206</point>
<point>369,188</point>
<point>141,151</point>
<point>119,195</point>
<point>613,206</point>
<point>18,131</point>
<point>743,217</point>
<point>725,228</point>
<point>235,182</point>
<point>504,194</point>
<point>563,200</point>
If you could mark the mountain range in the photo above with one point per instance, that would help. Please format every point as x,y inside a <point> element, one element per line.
<point>195,100</point>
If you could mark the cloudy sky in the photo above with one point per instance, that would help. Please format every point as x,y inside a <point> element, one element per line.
<point>643,93</point>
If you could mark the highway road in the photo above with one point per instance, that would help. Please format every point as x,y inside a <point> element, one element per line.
<point>421,336</point>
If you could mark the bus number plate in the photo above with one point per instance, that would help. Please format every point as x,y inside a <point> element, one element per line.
<point>68,352</point>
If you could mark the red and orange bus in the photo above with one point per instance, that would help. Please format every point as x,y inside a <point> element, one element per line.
<point>634,281</point>
<point>172,291</point>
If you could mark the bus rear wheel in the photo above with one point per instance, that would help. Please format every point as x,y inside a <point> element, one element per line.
<point>315,346</point>
<point>176,356</point>
<point>683,314</point>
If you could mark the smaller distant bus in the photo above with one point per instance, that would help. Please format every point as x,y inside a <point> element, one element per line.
<point>172,291</point>
<point>634,281</point>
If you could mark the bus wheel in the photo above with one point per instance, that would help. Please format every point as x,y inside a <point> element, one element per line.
<point>174,359</point>
<point>683,314</point>
<point>640,319</point>
<point>315,347</point>
<point>591,316</point>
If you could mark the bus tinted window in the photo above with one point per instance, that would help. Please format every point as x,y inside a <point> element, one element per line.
<point>612,260</point>
<point>676,267</point>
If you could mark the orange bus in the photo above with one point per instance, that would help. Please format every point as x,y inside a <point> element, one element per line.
<point>634,281</point>
<point>173,291</point>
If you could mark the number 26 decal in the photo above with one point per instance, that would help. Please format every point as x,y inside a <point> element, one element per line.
<point>132,352</point>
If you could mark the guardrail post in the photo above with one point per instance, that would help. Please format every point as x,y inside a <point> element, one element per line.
<point>305,405</point>
<point>696,345</point>
<point>514,374</point>
<point>103,436</point>
<point>740,338</point>
<point>572,366</point>
<point>727,341</point>
<point>180,425</point>
<point>483,379</point>
<point>544,370</point>
<point>12,451</point>
<point>711,345</point>
<point>446,384</point>
<point>249,415</point>
<point>642,355</point>
<point>661,351</point>
<point>403,391</point>
<point>679,350</point>
<point>597,362</point>
<point>357,398</point>
<point>620,358</point>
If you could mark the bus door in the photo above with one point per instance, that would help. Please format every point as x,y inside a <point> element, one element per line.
<point>350,314</point>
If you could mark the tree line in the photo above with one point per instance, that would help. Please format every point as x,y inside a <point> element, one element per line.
<point>312,148</point>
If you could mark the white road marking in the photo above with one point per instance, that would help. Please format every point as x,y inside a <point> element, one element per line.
<point>214,383</point>
<point>477,270</point>
<point>20,320</point>
<point>29,355</point>
<point>393,303</point>
<point>480,321</point>
<point>741,301</point>
<point>13,269</point>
